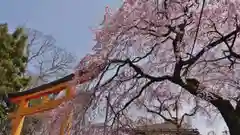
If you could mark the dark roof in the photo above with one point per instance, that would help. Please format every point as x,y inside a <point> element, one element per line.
<point>166,127</point>
<point>41,87</point>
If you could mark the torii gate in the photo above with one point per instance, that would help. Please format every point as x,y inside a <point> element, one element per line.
<point>88,69</point>
<point>42,92</point>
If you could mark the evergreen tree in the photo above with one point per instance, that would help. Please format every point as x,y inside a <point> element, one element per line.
<point>13,62</point>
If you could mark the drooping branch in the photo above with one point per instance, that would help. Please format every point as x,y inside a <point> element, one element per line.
<point>139,71</point>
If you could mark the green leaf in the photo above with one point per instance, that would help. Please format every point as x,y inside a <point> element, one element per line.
<point>12,62</point>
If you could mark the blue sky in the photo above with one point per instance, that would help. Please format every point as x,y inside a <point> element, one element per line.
<point>68,21</point>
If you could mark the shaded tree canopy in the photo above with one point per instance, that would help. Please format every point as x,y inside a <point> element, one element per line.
<point>13,62</point>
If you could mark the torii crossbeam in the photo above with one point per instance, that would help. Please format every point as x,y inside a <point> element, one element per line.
<point>41,92</point>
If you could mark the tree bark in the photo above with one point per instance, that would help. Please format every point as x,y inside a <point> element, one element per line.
<point>229,114</point>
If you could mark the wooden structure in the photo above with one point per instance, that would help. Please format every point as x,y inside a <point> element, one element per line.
<point>165,128</point>
<point>42,92</point>
<point>167,132</point>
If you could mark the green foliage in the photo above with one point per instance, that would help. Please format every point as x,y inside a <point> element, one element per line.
<point>13,62</point>
<point>35,102</point>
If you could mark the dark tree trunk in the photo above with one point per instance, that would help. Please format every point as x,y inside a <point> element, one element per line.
<point>230,115</point>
